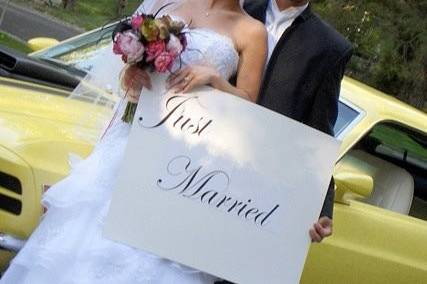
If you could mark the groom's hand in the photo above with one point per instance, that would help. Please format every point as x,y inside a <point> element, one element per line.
<point>321,229</point>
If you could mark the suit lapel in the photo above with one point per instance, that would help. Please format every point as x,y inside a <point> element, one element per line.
<point>305,15</point>
<point>256,8</point>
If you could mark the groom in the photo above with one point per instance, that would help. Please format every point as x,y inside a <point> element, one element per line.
<point>306,62</point>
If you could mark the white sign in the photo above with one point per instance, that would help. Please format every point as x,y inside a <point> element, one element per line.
<point>222,185</point>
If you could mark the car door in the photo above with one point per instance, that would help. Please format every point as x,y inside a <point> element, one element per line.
<point>381,238</point>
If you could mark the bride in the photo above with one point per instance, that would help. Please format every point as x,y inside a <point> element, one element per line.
<point>67,247</point>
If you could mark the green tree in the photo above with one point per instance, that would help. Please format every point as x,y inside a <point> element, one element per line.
<point>121,7</point>
<point>390,43</point>
<point>69,4</point>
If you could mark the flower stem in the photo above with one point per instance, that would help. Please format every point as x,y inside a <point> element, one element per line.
<point>129,113</point>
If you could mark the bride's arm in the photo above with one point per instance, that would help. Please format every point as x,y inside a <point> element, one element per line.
<point>251,66</point>
<point>249,74</point>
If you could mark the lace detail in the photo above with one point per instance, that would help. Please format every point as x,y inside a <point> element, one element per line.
<point>209,48</point>
<point>68,246</point>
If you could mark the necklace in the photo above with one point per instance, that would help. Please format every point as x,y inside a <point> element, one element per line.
<point>210,11</point>
<point>207,13</point>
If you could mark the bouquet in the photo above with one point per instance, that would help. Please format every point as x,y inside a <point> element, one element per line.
<point>149,42</point>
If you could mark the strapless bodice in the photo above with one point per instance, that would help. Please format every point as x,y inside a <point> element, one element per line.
<point>210,48</point>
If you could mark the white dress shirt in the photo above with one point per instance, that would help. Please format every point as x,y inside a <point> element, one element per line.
<point>278,21</point>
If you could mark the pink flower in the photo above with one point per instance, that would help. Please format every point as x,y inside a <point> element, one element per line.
<point>154,49</point>
<point>116,46</point>
<point>137,21</point>
<point>174,45</point>
<point>164,61</point>
<point>129,45</point>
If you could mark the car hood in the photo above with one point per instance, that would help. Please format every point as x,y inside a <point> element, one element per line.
<point>30,113</point>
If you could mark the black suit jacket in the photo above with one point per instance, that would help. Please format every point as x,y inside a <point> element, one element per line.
<point>304,73</point>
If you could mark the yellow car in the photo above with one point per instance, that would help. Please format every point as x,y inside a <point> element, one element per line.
<point>380,212</point>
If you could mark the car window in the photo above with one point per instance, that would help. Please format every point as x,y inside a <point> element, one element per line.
<point>402,144</point>
<point>80,51</point>
<point>395,157</point>
<point>347,115</point>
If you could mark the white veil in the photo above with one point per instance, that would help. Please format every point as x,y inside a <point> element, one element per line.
<point>101,87</point>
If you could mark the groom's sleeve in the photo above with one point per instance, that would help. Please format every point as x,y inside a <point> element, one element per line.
<point>328,204</point>
<point>324,114</point>
<point>324,110</point>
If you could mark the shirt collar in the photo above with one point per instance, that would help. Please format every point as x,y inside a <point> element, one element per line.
<point>290,13</point>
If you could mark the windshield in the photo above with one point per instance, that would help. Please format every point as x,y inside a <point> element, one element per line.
<point>79,52</point>
<point>79,55</point>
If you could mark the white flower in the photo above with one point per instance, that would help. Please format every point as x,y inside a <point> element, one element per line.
<point>174,45</point>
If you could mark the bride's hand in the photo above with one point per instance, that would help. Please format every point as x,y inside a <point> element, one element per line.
<point>190,77</point>
<point>133,80</point>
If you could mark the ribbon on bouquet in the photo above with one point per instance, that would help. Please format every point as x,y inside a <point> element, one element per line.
<point>119,106</point>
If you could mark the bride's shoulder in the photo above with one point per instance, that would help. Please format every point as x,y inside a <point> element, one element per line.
<point>251,26</point>
<point>255,31</point>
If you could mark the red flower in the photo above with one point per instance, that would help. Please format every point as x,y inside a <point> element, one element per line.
<point>164,61</point>
<point>154,49</point>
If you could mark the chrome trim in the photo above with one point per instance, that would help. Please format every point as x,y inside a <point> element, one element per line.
<point>354,122</point>
<point>10,243</point>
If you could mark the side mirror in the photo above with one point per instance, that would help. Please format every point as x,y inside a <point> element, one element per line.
<point>352,185</point>
<point>40,43</point>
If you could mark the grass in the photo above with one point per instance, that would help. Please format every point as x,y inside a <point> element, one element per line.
<point>87,14</point>
<point>11,42</point>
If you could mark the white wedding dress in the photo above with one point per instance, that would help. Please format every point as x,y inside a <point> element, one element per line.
<point>68,247</point>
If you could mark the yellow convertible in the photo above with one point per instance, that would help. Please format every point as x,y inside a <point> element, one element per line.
<point>380,219</point>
